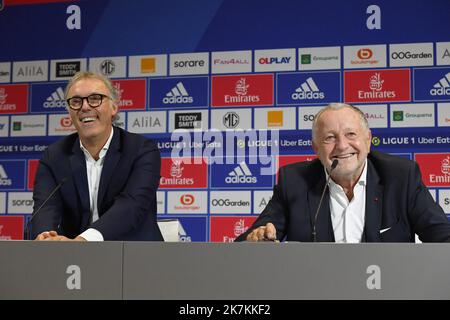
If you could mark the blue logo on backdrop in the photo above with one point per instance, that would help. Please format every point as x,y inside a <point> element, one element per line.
<point>308,88</point>
<point>432,84</point>
<point>48,98</point>
<point>12,175</point>
<point>240,175</point>
<point>193,229</point>
<point>179,92</point>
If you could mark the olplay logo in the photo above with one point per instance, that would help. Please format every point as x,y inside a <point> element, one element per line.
<point>308,88</point>
<point>242,90</point>
<point>179,92</point>
<point>183,173</point>
<point>48,98</point>
<point>12,174</point>
<point>435,168</point>
<point>377,86</point>
<point>227,229</point>
<point>13,98</point>
<point>275,60</point>
<point>431,84</point>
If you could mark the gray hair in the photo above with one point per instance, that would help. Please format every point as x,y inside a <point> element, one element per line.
<point>338,106</point>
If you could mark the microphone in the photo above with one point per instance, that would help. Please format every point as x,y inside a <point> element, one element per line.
<point>333,165</point>
<point>35,213</point>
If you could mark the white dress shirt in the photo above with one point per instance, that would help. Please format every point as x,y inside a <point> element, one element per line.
<point>348,216</point>
<point>94,172</point>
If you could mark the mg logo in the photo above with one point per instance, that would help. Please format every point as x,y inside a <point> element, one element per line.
<point>107,67</point>
<point>187,199</point>
<point>231,120</point>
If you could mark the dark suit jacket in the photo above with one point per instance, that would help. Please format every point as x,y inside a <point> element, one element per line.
<point>126,195</point>
<point>396,198</point>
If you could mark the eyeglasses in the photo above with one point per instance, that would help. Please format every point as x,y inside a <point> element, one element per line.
<point>94,100</point>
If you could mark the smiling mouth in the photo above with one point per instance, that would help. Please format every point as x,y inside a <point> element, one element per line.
<point>344,156</point>
<point>87,119</point>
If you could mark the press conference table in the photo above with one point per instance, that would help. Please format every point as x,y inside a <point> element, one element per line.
<point>221,271</point>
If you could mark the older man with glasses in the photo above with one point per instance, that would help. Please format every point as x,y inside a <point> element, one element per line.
<point>99,183</point>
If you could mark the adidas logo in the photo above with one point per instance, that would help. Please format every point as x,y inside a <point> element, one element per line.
<point>56,100</point>
<point>442,88</point>
<point>178,94</point>
<point>182,235</point>
<point>308,90</point>
<point>241,174</point>
<point>4,181</point>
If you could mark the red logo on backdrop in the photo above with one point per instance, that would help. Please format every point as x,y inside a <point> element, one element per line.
<point>227,229</point>
<point>65,122</point>
<point>32,168</point>
<point>285,160</point>
<point>11,227</point>
<point>377,86</point>
<point>242,90</point>
<point>14,98</point>
<point>364,53</point>
<point>183,173</point>
<point>131,93</point>
<point>187,199</point>
<point>435,168</point>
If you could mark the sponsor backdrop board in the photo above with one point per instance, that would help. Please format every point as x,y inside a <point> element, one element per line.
<point>226,102</point>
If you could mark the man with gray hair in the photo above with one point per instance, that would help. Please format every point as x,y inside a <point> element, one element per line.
<point>349,194</point>
<point>105,179</point>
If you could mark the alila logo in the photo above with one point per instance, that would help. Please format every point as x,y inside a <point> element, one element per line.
<point>308,90</point>
<point>4,181</point>
<point>56,99</point>
<point>178,94</point>
<point>442,87</point>
<point>241,174</point>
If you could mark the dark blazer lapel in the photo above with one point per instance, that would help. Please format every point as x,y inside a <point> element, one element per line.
<point>78,167</point>
<point>373,216</point>
<point>111,159</point>
<point>324,229</point>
